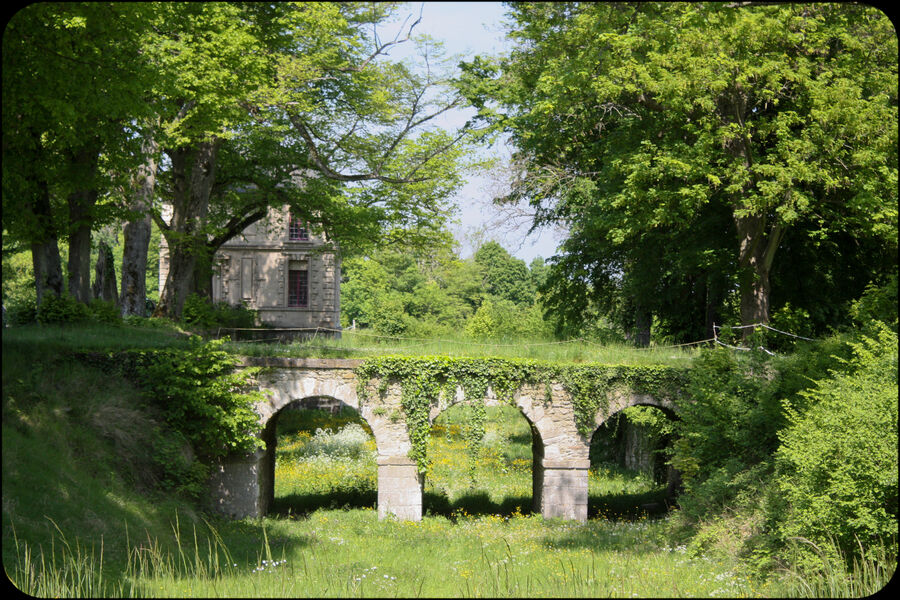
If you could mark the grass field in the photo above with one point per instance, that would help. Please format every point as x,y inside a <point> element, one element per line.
<point>81,517</point>
<point>478,537</point>
<point>359,344</point>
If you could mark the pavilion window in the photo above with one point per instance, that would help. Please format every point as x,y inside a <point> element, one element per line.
<point>298,288</point>
<point>297,230</point>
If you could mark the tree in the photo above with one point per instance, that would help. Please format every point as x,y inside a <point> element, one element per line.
<point>646,117</point>
<point>502,275</point>
<point>345,137</point>
<point>137,231</point>
<point>71,75</point>
<point>106,106</point>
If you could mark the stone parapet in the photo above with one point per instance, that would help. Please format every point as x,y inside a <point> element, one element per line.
<point>300,363</point>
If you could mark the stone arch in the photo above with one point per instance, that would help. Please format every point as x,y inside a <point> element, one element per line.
<point>243,486</point>
<point>269,437</point>
<point>619,401</point>
<point>522,400</point>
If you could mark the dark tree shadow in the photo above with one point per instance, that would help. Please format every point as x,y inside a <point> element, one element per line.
<point>475,503</point>
<point>303,504</point>
<point>628,507</point>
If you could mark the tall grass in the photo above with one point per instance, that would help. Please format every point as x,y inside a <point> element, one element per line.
<point>66,570</point>
<point>478,539</point>
<point>160,333</point>
<point>840,576</point>
<point>157,333</point>
<point>350,553</point>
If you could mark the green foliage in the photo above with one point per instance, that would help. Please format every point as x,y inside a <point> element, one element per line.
<point>473,434</point>
<point>431,381</point>
<point>797,452</point>
<point>503,275</point>
<point>687,147</point>
<point>389,316</point>
<point>878,302</point>
<point>201,396</point>
<point>19,296</point>
<point>348,442</point>
<point>201,313</point>
<point>181,472</point>
<point>434,294</point>
<point>498,318</point>
<point>106,312</point>
<point>727,431</point>
<point>21,313</point>
<point>837,468</point>
<point>489,321</point>
<point>56,310</point>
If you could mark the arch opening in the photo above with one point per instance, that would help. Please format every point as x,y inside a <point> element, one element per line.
<point>501,478</point>
<point>320,453</point>
<point>629,475</point>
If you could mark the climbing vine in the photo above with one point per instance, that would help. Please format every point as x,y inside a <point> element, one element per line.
<point>473,433</point>
<point>432,381</point>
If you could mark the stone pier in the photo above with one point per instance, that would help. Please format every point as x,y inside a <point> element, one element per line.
<point>399,488</point>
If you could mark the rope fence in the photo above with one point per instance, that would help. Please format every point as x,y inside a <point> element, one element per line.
<point>425,341</point>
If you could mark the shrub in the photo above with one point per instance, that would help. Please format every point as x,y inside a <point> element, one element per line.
<point>732,419</point>
<point>21,313</point>
<point>347,442</point>
<point>149,322</point>
<point>878,303</point>
<point>199,312</point>
<point>389,316</point>
<point>202,396</point>
<point>180,471</point>
<point>62,309</point>
<point>234,316</point>
<point>105,312</point>
<point>837,465</point>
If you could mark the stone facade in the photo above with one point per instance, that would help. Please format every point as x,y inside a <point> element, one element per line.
<point>255,268</point>
<point>243,487</point>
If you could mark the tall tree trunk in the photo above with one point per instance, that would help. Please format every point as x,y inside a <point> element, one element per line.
<point>81,205</point>
<point>193,175</point>
<point>104,286</point>
<point>137,234</point>
<point>45,248</point>
<point>758,245</point>
<point>203,271</point>
<point>642,320</point>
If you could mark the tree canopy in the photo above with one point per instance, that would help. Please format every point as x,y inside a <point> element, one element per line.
<point>688,146</point>
<point>237,107</point>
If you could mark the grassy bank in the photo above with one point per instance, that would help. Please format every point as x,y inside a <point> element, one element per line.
<point>359,344</point>
<point>85,514</point>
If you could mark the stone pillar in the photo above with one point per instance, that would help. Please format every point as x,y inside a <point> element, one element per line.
<point>238,485</point>
<point>564,492</point>
<point>399,488</point>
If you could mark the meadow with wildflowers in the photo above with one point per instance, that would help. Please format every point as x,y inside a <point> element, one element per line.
<point>84,515</point>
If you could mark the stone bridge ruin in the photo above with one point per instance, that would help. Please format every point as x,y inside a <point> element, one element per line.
<point>244,486</point>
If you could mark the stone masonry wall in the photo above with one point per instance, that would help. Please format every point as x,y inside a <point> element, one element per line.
<point>244,486</point>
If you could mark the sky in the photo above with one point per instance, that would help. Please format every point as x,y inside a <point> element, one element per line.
<point>467,29</point>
